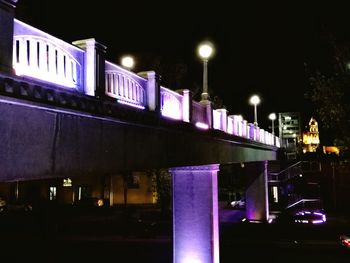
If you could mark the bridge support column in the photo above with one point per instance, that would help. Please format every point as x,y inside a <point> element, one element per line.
<point>195,214</point>
<point>7,13</point>
<point>257,206</point>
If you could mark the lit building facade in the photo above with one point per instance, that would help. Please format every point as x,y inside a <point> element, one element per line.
<point>311,138</point>
<point>289,124</point>
<point>135,188</point>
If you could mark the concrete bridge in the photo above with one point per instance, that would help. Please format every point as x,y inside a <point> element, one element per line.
<point>66,111</point>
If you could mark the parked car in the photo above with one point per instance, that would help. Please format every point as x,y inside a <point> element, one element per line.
<point>238,204</point>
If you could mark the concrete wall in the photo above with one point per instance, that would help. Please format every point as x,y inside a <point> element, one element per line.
<point>40,141</point>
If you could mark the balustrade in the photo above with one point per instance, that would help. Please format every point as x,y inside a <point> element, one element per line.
<point>41,56</point>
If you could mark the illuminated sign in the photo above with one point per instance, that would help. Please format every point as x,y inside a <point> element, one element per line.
<point>67,182</point>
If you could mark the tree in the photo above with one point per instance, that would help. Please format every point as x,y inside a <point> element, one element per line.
<point>161,186</point>
<point>328,93</point>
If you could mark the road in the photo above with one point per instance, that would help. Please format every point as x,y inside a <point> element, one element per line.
<point>24,239</point>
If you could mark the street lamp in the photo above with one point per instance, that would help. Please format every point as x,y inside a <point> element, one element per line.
<point>255,100</point>
<point>127,62</point>
<point>205,51</point>
<point>272,117</point>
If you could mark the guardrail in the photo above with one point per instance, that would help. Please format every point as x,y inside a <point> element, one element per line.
<point>81,66</point>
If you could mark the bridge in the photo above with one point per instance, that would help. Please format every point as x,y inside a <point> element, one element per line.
<point>66,111</point>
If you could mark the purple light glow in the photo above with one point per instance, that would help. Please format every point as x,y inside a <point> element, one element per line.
<point>310,217</point>
<point>131,104</point>
<point>170,104</point>
<point>217,119</point>
<point>41,56</point>
<point>195,214</point>
<point>202,125</point>
<point>230,125</point>
<point>186,106</point>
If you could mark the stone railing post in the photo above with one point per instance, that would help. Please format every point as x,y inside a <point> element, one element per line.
<point>7,13</point>
<point>223,120</point>
<point>153,89</point>
<point>94,66</point>
<point>208,112</point>
<point>186,105</point>
<point>252,131</point>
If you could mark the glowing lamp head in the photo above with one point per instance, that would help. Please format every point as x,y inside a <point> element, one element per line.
<point>205,50</point>
<point>255,100</point>
<point>272,116</point>
<point>128,62</point>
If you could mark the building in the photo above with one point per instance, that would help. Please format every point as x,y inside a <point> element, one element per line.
<point>311,139</point>
<point>134,188</point>
<point>289,124</point>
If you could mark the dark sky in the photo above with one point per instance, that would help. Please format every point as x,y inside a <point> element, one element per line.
<point>260,48</point>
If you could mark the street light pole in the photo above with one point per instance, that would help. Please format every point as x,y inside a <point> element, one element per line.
<point>205,51</point>
<point>205,95</point>
<point>255,100</point>
<point>272,117</point>
<point>128,62</point>
<point>255,115</point>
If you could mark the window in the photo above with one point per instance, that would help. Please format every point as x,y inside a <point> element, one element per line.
<point>83,192</point>
<point>275,194</point>
<point>52,193</point>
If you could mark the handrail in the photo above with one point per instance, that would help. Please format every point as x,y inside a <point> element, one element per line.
<point>289,167</point>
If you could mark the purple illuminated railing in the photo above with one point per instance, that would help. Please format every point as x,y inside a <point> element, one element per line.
<point>39,55</point>
<point>127,87</point>
<point>171,104</point>
<point>199,117</point>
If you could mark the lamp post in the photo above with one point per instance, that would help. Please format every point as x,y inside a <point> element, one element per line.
<point>205,51</point>
<point>127,62</point>
<point>255,100</point>
<point>272,117</point>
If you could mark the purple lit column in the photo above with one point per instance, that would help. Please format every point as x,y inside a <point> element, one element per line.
<point>94,66</point>
<point>208,112</point>
<point>7,10</point>
<point>195,214</point>
<point>257,206</point>
<point>153,90</point>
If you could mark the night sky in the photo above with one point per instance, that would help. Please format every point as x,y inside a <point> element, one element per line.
<point>260,48</point>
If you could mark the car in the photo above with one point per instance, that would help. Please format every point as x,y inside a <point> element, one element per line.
<point>345,241</point>
<point>239,204</point>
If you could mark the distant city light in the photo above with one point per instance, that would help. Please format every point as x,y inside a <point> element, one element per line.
<point>202,125</point>
<point>131,104</point>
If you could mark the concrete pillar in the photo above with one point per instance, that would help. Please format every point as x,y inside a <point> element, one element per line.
<point>94,66</point>
<point>153,90</point>
<point>244,129</point>
<point>195,214</point>
<point>257,205</point>
<point>186,105</point>
<point>223,121</point>
<point>208,112</point>
<point>7,13</point>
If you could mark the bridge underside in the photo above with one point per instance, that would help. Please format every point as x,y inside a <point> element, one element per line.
<point>40,141</point>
